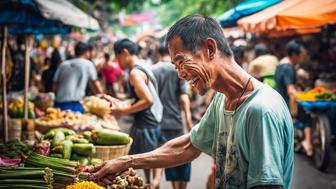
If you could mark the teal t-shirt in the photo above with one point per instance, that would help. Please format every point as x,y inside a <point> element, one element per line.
<point>252,146</point>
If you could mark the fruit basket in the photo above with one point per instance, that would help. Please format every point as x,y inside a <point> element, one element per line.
<point>113,151</point>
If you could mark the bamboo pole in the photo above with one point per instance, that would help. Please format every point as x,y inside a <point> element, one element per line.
<point>28,45</point>
<point>4,83</point>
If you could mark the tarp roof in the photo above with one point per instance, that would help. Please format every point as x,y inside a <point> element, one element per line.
<point>229,18</point>
<point>43,16</point>
<point>291,14</point>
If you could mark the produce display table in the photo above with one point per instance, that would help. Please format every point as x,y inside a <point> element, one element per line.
<point>322,114</point>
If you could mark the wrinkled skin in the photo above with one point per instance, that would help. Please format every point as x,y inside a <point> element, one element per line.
<point>193,67</point>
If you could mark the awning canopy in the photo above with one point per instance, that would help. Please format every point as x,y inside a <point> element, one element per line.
<point>229,18</point>
<point>43,16</point>
<point>291,14</point>
<point>67,13</point>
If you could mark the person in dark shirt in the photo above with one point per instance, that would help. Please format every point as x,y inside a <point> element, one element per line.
<point>48,75</point>
<point>147,108</point>
<point>175,100</point>
<point>285,77</point>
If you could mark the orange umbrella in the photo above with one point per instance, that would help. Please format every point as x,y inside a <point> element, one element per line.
<point>291,14</point>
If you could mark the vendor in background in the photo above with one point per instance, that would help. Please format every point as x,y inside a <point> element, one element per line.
<point>285,77</point>
<point>263,66</point>
<point>113,76</point>
<point>247,127</point>
<point>92,89</point>
<point>175,100</point>
<point>48,75</point>
<point>16,82</point>
<point>147,108</point>
<point>72,77</point>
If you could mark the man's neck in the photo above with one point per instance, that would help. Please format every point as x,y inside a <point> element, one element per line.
<point>231,79</point>
<point>134,60</point>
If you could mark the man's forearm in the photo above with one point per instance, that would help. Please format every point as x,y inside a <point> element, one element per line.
<point>175,152</point>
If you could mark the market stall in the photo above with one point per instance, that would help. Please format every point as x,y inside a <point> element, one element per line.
<point>36,17</point>
<point>66,145</point>
<point>320,104</point>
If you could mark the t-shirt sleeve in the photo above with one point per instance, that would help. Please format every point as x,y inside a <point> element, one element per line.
<point>289,76</point>
<point>202,135</point>
<point>266,150</point>
<point>92,72</point>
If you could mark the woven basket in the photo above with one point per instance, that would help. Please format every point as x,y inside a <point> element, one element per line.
<point>112,152</point>
<point>45,128</point>
<point>14,129</point>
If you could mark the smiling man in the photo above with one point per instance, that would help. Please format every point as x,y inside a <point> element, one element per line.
<point>247,127</point>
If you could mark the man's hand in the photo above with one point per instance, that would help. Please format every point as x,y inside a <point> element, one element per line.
<point>115,107</point>
<point>107,171</point>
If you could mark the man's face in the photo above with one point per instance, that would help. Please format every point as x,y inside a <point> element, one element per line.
<point>122,59</point>
<point>300,58</point>
<point>191,67</point>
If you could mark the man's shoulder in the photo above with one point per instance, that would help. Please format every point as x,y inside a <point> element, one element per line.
<point>266,99</point>
<point>284,67</point>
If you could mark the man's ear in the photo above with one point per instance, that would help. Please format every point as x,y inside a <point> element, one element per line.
<point>211,48</point>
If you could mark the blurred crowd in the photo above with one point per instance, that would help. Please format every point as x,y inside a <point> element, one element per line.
<point>257,55</point>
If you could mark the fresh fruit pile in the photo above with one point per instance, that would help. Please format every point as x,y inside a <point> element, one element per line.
<point>128,181</point>
<point>56,117</point>
<point>15,109</point>
<point>327,95</point>
<point>97,106</point>
<point>317,94</point>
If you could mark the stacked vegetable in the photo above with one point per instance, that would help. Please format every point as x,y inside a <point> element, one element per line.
<point>26,177</point>
<point>64,171</point>
<point>13,152</point>
<point>317,94</point>
<point>109,137</point>
<point>66,144</point>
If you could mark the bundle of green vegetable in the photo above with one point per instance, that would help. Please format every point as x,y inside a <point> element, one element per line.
<point>15,149</point>
<point>67,144</point>
<point>64,171</point>
<point>24,177</point>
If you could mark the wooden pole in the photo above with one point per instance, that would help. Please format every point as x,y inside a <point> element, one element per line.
<point>28,44</point>
<point>4,83</point>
